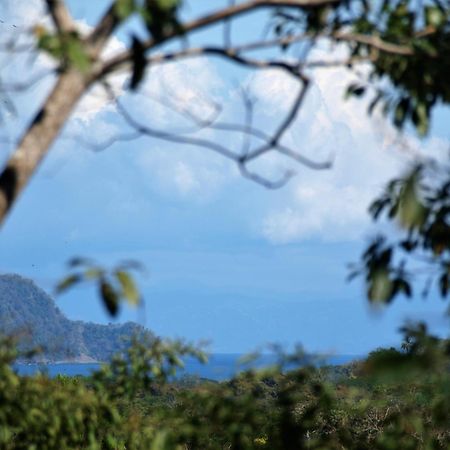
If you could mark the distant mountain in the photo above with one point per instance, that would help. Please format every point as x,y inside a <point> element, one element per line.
<point>30,313</point>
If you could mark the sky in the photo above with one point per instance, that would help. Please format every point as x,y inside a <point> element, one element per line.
<point>227,260</point>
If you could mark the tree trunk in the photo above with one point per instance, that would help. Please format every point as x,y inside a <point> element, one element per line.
<point>38,138</point>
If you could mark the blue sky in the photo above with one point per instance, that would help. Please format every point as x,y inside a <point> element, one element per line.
<point>228,260</point>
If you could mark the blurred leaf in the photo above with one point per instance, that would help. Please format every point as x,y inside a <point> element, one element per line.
<point>160,17</point>
<point>129,289</point>
<point>124,8</point>
<point>79,261</point>
<point>420,118</point>
<point>168,4</point>
<point>401,285</point>
<point>68,282</point>
<point>401,111</point>
<point>381,287</point>
<point>374,102</point>
<point>444,284</point>
<point>109,297</point>
<point>139,63</point>
<point>76,53</point>
<point>354,89</point>
<point>411,212</point>
<point>376,208</point>
<point>93,273</point>
<point>131,264</point>
<point>434,16</point>
<point>161,441</point>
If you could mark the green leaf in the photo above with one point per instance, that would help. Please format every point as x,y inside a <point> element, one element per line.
<point>77,54</point>
<point>124,8</point>
<point>411,212</point>
<point>374,103</point>
<point>68,282</point>
<point>79,261</point>
<point>49,43</point>
<point>401,111</point>
<point>128,286</point>
<point>434,16</point>
<point>444,284</point>
<point>354,89</point>
<point>139,63</point>
<point>401,285</point>
<point>377,207</point>
<point>109,297</point>
<point>161,441</point>
<point>93,273</point>
<point>380,287</point>
<point>420,118</point>
<point>168,4</point>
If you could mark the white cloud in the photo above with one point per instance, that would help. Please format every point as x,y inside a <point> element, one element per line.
<point>332,205</point>
<point>184,174</point>
<point>97,101</point>
<point>329,204</point>
<point>184,178</point>
<point>22,13</point>
<point>320,210</point>
<point>170,89</point>
<point>188,84</point>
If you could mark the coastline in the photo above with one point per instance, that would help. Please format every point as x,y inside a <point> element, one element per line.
<point>84,360</point>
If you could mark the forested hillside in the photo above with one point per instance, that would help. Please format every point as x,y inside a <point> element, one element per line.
<point>30,314</point>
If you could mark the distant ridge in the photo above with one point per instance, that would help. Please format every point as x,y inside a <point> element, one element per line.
<point>30,313</point>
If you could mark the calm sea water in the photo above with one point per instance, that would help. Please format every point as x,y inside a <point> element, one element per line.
<point>220,366</point>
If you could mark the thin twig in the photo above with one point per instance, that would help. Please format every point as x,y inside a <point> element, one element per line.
<point>101,146</point>
<point>216,17</point>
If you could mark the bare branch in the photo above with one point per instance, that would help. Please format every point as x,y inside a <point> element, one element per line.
<point>199,123</point>
<point>60,16</point>
<point>202,22</point>
<point>263,181</point>
<point>293,112</point>
<point>274,141</point>
<point>284,150</point>
<point>247,130</point>
<point>211,122</point>
<point>37,140</point>
<point>227,27</point>
<point>248,107</point>
<point>236,52</point>
<point>270,142</point>
<point>104,29</point>
<point>72,85</point>
<point>375,42</point>
<point>101,146</point>
<point>165,135</point>
<point>231,54</point>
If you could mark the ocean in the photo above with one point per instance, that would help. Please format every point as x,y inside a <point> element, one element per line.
<point>221,366</point>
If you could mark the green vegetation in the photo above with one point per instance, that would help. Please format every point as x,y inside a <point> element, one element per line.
<point>393,400</point>
<point>28,312</point>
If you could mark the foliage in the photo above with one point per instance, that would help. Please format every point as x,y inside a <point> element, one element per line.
<point>400,39</point>
<point>396,399</point>
<point>419,203</point>
<point>135,403</point>
<point>67,48</point>
<point>114,286</point>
